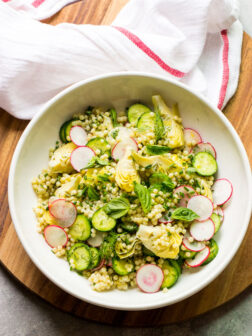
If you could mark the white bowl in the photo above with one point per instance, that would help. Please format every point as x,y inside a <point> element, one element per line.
<point>120,90</point>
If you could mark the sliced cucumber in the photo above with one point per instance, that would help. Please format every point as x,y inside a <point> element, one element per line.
<point>135,111</point>
<point>102,222</point>
<point>175,264</point>
<point>68,127</point>
<point>129,226</point>
<point>79,257</point>
<point>186,254</point>
<point>217,221</point>
<point>122,266</point>
<point>62,132</point>
<point>99,143</point>
<point>148,252</point>
<point>171,277</point>
<point>81,228</point>
<point>214,249</point>
<point>205,164</point>
<point>95,257</point>
<point>146,121</point>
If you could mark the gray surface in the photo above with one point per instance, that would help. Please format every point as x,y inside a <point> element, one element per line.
<point>246,15</point>
<point>24,314</point>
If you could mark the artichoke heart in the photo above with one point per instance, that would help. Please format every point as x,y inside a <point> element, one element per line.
<point>174,133</point>
<point>124,250</point>
<point>161,240</point>
<point>126,172</point>
<point>60,161</point>
<point>67,187</point>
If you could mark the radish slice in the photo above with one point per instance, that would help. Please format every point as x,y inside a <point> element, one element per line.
<point>202,206</point>
<point>80,157</point>
<point>64,211</point>
<point>102,263</point>
<point>97,240</point>
<point>185,192</point>
<point>222,191</point>
<point>205,147</point>
<point>199,258</point>
<point>149,278</point>
<point>78,136</point>
<point>165,219</point>
<point>219,211</point>
<point>194,246</point>
<point>191,137</point>
<point>55,236</point>
<point>119,149</point>
<point>202,231</point>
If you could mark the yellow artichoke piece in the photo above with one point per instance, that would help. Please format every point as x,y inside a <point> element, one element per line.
<point>49,219</point>
<point>174,133</point>
<point>60,161</point>
<point>69,186</point>
<point>125,251</point>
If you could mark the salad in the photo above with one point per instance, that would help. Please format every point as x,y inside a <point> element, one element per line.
<point>130,198</point>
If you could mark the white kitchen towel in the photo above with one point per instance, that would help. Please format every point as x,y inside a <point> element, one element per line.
<point>195,42</point>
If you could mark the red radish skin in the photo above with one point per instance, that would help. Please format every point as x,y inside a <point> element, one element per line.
<point>63,211</point>
<point>202,231</point>
<point>149,278</point>
<point>102,263</point>
<point>204,147</point>
<point>80,157</point>
<point>199,259</point>
<point>191,135</point>
<point>119,149</point>
<point>55,236</point>
<point>182,189</point>
<point>194,247</point>
<point>202,206</point>
<point>78,136</point>
<point>218,196</point>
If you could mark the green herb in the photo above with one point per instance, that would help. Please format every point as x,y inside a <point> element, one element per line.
<point>163,180</point>
<point>113,117</point>
<point>191,170</point>
<point>157,150</point>
<point>159,125</point>
<point>92,194</point>
<point>103,178</point>
<point>107,248</point>
<point>144,196</point>
<point>114,133</point>
<point>89,110</point>
<point>117,207</point>
<point>81,192</point>
<point>184,214</point>
<point>96,162</point>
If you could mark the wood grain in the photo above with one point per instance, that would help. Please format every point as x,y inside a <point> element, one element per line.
<point>233,280</point>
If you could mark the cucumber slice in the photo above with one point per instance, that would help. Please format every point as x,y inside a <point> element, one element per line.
<point>172,275</point>
<point>95,257</point>
<point>148,252</point>
<point>176,265</point>
<point>146,121</point>
<point>186,254</point>
<point>102,222</point>
<point>122,266</point>
<point>62,132</point>
<point>99,143</point>
<point>79,257</point>
<point>205,164</point>
<point>68,127</point>
<point>214,249</point>
<point>135,111</point>
<point>217,221</point>
<point>81,228</point>
<point>129,226</point>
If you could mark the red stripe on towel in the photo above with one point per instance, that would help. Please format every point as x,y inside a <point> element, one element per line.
<point>37,3</point>
<point>141,45</point>
<point>225,75</point>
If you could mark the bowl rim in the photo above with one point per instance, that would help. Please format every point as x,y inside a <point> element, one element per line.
<point>102,302</point>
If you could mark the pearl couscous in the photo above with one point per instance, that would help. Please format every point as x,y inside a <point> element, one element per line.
<point>125,190</point>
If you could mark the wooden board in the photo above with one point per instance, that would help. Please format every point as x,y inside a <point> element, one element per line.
<point>233,280</point>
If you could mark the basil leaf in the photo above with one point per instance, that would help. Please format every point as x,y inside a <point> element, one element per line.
<point>162,180</point>
<point>144,196</point>
<point>184,214</point>
<point>159,125</point>
<point>113,117</point>
<point>117,207</point>
<point>96,162</point>
<point>103,178</point>
<point>157,150</point>
<point>92,194</point>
